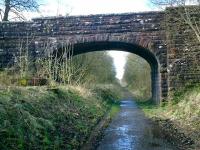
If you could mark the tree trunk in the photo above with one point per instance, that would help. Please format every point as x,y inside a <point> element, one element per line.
<point>7,10</point>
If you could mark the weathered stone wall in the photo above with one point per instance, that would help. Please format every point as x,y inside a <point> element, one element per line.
<point>183,48</point>
<point>143,29</point>
<point>151,34</point>
<point>161,38</point>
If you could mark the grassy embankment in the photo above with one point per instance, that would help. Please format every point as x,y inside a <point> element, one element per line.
<point>180,118</point>
<point>61,118</point>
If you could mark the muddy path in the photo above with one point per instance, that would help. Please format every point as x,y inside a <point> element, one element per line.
<point>131,130</point>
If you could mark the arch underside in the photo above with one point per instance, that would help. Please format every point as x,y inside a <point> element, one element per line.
<point>80,48</point>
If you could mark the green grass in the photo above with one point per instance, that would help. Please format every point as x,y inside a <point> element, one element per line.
<point>149,108</point>
<point>183,109</point>
<point>40,118</point>
<point>115,108</point>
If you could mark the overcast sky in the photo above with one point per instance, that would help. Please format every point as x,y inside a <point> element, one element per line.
<point>87,7</point>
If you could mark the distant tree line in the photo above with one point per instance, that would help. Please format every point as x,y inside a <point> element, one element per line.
<point>137,77</point>
<point>93,67</point>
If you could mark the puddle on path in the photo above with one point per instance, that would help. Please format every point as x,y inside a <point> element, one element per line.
<point>131,130</point>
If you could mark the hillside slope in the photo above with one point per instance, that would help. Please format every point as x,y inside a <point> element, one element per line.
<point>180,118</point>
<point>41,118</point>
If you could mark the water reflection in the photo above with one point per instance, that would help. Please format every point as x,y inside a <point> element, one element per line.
<point>131,130</point>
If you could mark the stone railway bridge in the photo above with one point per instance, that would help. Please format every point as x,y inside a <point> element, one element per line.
<point>155,36</point>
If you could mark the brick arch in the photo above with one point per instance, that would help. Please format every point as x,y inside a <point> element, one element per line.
<point>91,46</point>
<point>140,39</point>
<point>153,31</point>
<point>143,32</point>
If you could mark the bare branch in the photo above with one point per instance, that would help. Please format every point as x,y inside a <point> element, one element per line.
<point>18,6</point>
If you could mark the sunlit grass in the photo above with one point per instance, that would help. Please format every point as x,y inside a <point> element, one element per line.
<point>55,118</point>
<point>183,109</point>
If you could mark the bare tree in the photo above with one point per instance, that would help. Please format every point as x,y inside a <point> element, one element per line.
<point>17,7</point>
<point>185,12</point>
